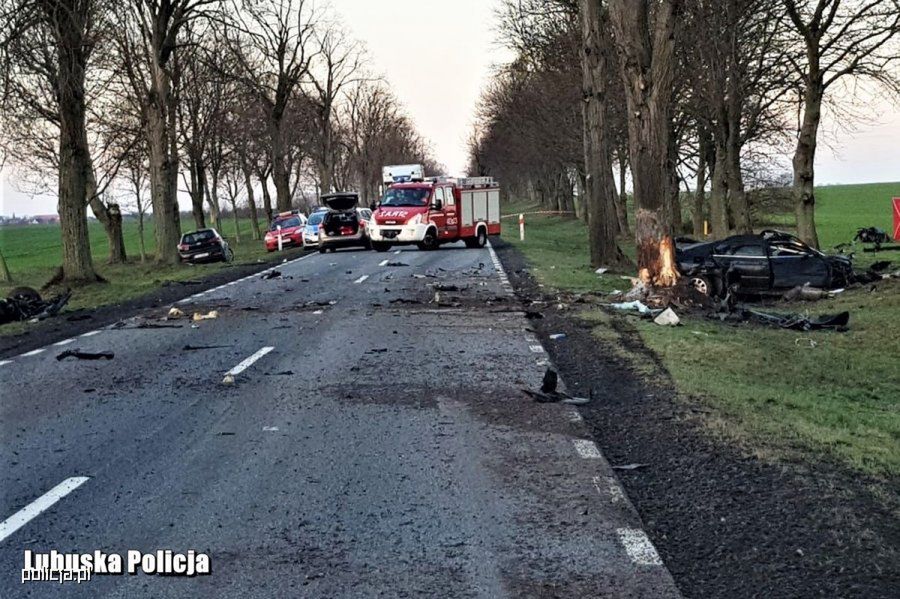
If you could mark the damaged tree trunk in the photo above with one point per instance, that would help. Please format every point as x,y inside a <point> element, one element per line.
<point>263,177</point>
<point>109,216</point>
<point>600,188</point>
<point>645,41</point>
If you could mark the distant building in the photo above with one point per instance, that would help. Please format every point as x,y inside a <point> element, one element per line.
<point>45,219</point>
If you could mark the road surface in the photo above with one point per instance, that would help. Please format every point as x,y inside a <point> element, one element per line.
<point>367,447</point>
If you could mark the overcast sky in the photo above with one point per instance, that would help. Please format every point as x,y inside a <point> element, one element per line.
<point>437,56</point>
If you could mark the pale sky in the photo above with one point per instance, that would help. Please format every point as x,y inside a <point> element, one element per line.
<point>437,55</point>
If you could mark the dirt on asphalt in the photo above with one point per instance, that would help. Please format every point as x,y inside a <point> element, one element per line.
<point>75,322</point>
<point>727,523</point>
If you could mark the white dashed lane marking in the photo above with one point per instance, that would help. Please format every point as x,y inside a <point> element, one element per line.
<point>383,263</point>
<point>64,342</point>
<point>248,362</point>
<point>361,279</point>
<point>33,352</point>
<point>5,362</point>
<point>33,509</point>
<point>638,547</point>
<point>89,334</point>
<point>587,449</point>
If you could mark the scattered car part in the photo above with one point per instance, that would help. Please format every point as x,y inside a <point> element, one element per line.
<point>212,314</point>
<point>84,355</point>
<point>24,303</point>
<point>667,318</point>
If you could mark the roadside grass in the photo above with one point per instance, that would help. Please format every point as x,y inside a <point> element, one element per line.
<point>33,254</point>
<point>770,390</point>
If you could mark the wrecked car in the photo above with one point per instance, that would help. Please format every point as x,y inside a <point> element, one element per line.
<point>344,224</point>
<point>768,263</point>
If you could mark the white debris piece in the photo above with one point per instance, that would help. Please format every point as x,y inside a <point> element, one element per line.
<point>667,318</point>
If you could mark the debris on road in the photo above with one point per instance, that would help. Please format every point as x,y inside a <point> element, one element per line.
<point>211,315</point>
<point>24,303</point>
<point>667,318</point>
<point>272,274</point>
<point>629,466</point>
<point>549,394</point>
<point>404,300</point>
<point>228,380</point>
<point>175,313</point>
<point>85,355</point>
<point>201,347</point>
<point>558,336</point>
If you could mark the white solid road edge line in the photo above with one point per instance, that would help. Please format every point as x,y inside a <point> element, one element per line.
<point>587,449</point>
<point>248,362</point>
<point>638,547</point>
<point>33,509</point>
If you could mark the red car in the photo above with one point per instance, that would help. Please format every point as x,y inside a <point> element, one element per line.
<point>289,226</point>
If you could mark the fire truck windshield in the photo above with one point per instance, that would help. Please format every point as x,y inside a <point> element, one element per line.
<point>406,197</point>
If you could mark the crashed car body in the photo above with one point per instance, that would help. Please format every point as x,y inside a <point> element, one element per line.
<point>770,262</point>
<point>344,224</point>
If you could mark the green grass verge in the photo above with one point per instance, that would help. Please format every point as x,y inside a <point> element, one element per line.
<point>33,253</point>
<point>769,389</point>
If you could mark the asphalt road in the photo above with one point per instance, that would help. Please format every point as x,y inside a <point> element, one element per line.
<point>377,448</point>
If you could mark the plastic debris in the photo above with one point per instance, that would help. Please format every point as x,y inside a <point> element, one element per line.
<point>228,380</point>
<point>635,306</point>
<point>213,314</point>
<point>558,336</point>
<point>175,313</point>
<point>601,270</point>
<point>667,318</point>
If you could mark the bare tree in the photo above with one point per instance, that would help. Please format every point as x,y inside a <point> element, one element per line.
<point>839,39</point>
<point>337,65</point>
<point>644,33</point>
<point>55,38</point>
<point>271,44</point>
<point>149,33</point>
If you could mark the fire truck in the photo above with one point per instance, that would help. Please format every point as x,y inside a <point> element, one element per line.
<point>428,212</point>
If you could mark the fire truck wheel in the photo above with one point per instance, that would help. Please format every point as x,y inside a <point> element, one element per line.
<point>380,247</point>
<point>430,242</point>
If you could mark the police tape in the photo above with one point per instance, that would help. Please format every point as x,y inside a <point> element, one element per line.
<point>544,212</point>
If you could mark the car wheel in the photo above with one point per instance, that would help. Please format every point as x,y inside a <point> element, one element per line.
<point>702,285</point>
<point>481,238</point>
<point>229,255</point>
<point>380,247</point>
<point>430,241</point>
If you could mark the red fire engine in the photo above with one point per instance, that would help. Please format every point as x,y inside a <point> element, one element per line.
<point>429,212</point>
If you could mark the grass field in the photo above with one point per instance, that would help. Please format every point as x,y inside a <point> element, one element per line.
<point>33,254</point>
<point>769,389</point>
